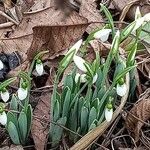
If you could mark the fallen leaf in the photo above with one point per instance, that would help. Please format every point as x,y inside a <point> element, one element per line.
<point>55,38</point>
<point>40,123</point>
<point>89,10</point>
<point>140,111</point>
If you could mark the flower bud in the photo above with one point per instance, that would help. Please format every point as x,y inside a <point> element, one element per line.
<point>102,34</point>
<point>1,65</point>
<point>39,67</point>
<point>5,95</point>
<point>80,63</point>
<point>75,47</point>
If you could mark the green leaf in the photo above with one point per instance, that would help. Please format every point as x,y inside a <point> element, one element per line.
<point>66,106</point>
<point>109,17</point>
<point>29,115</point>
<point>145,34</point>
<point>56,111</point>
<point>22,123</point>
<point>80,104</point>
<point>11,117</point>
<point>68,81</point>
<point>92,116</point>
<point>127,31</point>
<point>123,73</point>
<point>93,125</point>
<point>84,119</point>
<point>12,130</point>
<point>57,131</point>
<point>7,82</point>
<point>14,103</point>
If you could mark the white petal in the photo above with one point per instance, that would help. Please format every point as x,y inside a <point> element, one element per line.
<point>147,17</point>
<point>22,93</point>
<point>95,78</point>
<point>77,76</point>
<point>39,68</point>
<point>121,89</point>
<point>3,118</point>
<point>108,114</point>
<point>79,63</point>
<point>102,34</point>
<point>5,96</point>
<point>83,78</point>
<point>1,65</point>
<point>76,46</point>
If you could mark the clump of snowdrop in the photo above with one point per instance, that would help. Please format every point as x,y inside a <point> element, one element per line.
<point>102,34</point>
<point>121,87</point>
<point>39,67</point>
<point>109,110</point>
<point>23,91</point>
<point>3,115</point>
<point>1,65</point>
<point>5,94</point>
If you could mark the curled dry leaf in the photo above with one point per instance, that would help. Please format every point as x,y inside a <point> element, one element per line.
<point>40,123</point>
<point>139,114</point>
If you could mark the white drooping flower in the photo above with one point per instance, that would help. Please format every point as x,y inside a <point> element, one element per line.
<point>1,65</point>
<point>102,34</point>
<point>5,95</point>
<point>108,114</point>
<point>80,63</point>
<point>3,118</point>
<point>22,93</point>
<point>121,89</point>
<point>39,67</point>
<point>75,47</point>
<point>95,78</point>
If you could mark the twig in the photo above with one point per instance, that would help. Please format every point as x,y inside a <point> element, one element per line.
<point>9,18</point>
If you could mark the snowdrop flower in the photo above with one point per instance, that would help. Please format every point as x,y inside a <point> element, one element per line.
<point>79,63</point>
<point>5,95</point>
<point>108,111</point>
<point>39,67</point>
<point>3,116</point>
<point>137,13</point>
<point>82,78</point>
<point>76,47</point>
<point>23,91</point>
<point>121,88</point>
<point>102,34</point>
<point>1,65</point>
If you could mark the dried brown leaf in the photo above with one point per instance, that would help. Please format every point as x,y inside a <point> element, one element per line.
<point>139,114</point>
<point>89,10</point>
<point>40,123</point>
<point>55,38</point>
